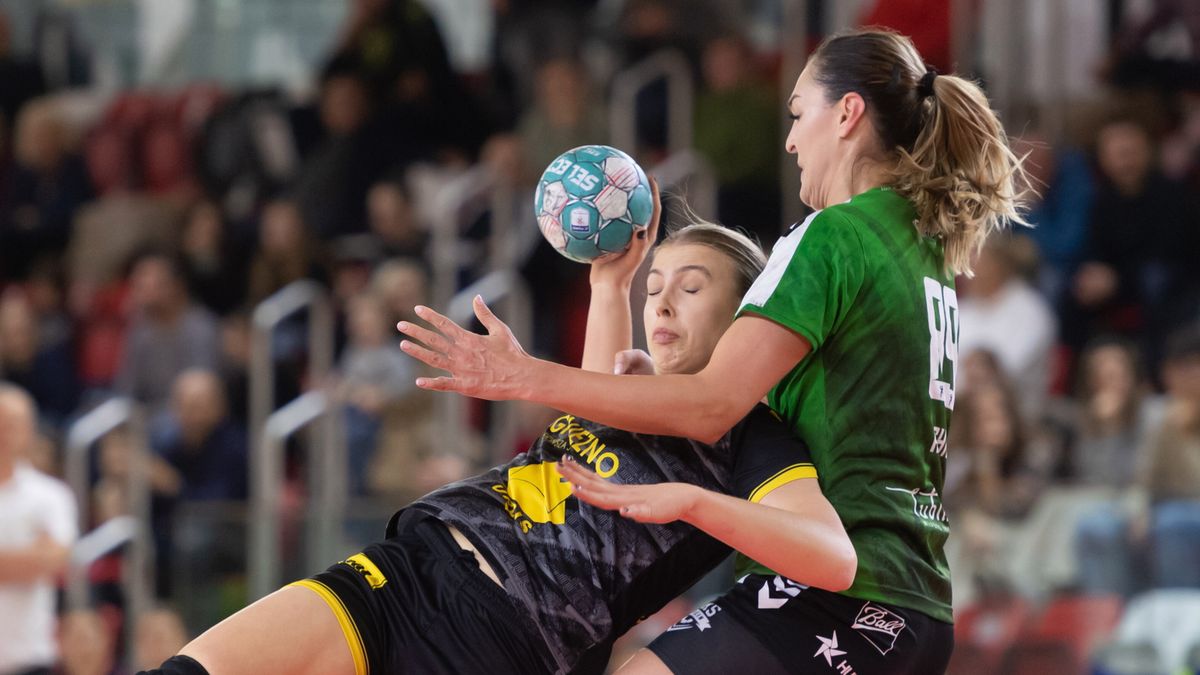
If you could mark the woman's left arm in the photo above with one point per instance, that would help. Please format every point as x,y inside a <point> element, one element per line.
<point>794,530</point>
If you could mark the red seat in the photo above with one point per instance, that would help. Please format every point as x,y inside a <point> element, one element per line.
<point>164,158</point>
<point>1038,657</point>
<point>983,632</point>
<point>107,153</point>
<point>1080,622</point>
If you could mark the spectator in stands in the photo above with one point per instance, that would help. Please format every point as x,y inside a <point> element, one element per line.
<point>158,636</point>
<point>43,190</point>
<point>1142,240</point>
<point>1163,507</point>
<point>374,374</point>
<point>88,645</point>
<point>400,284</point>
<point>46,371</point>
<point>994,475</point>
<point>396,231</point>
<point>214,268</point>
<point>994,301</point>
<point>22,78</point>
<point>37,527</point>
<point>286,251</point>
<point>735,127</point>
<point>1116,412</point>
<point>1059,211</point>
<point>1169,481</point>
<point>201,442</point>
<point>564,115</point>
<point>332,186</point>
<point>168,333</point>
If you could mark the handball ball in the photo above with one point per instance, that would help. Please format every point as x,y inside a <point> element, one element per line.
<point>590,201</point>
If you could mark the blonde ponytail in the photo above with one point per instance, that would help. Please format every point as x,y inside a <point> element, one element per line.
<point>961,176</point>
<point>952,159</point>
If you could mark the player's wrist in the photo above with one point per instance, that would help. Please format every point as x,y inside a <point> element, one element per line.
<point>608,285</point>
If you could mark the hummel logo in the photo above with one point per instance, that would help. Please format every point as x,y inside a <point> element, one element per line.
<point>829,649</point>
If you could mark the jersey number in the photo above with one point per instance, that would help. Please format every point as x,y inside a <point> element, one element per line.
<point>942,304</point>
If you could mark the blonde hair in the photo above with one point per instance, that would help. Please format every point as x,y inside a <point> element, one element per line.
<point>745,254</point>
<point>952,157</point>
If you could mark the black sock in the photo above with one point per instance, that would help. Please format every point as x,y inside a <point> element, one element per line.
<point>178,665</point>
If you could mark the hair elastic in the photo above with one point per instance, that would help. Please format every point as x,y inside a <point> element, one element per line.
<point>925,86</point>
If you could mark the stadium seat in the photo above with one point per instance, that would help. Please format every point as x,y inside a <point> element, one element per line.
<point>1167,619</point>
<point>1080,622</point>
<point>164,158</point>
<point>1140,658</point>
<point>1040,657</point>
<point>984,631</point>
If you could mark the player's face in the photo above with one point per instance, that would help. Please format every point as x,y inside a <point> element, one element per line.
<point>812,137</point>
<point>691,297</point>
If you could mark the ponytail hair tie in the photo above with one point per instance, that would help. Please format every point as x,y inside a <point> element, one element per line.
<point>925,86</point>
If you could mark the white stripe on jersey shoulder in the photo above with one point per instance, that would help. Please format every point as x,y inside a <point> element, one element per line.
<point>781,256</point>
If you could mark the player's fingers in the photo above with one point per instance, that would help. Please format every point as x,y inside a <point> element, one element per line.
<point>639,511</point>
<point>426,356</point>
<point>447,327</point>
<point>574,473</point>
<point>489,320</point>
<point>656,199</point>
<point>431,339</point>
<point>438,383</point>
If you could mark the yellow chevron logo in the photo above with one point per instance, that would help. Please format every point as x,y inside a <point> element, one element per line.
<point>540,491</point>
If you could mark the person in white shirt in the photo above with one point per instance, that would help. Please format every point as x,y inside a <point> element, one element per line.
<point>37,527</point>
<point>1001,313</point>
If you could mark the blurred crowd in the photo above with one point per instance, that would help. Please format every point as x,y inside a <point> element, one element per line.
<point>138,234</point>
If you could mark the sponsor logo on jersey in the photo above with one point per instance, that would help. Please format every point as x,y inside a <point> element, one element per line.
<point>540,491</point>
<point>927,504</point>
<point>879,626</point>
<point>829,650</point>
<point>775,593</point>
<point>568,435</point>
<point>700,619</point>
<point>363,565</point>
<point>938,447</point>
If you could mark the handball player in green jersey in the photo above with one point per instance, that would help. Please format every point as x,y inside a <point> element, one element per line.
<point>851,334</point>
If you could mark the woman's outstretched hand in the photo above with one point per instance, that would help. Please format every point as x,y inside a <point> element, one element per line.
<point>490,366</point>
<point>659,503</point>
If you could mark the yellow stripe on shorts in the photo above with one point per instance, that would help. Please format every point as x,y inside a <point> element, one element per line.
<point>349,629</point>
<point>793,472</point>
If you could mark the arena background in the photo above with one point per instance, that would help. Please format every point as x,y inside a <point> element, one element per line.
<point>213,211</point>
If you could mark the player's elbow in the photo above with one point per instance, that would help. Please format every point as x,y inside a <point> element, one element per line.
<point>843,568</point>
<point>713,418</point>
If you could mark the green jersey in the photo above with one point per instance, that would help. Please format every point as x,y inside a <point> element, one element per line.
<point>873,398</point>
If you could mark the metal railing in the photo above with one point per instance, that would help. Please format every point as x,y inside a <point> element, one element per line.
<point>136,570</point>
<point>271,428</point>
<point>327,480</point>
<point>689,173</point>
<point>108,537</point>
<point>506,293</point>
<point>664,65</point>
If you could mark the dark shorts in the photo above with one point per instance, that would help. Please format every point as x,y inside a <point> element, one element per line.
<point>417,603</point>
<point>773,625</point>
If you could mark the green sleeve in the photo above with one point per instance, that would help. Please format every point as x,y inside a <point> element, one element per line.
<point>812,277</point>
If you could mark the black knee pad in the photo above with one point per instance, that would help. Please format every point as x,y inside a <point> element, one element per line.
<point>178,665</point>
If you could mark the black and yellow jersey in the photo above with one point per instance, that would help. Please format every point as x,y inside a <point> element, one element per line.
<point>587,575</point>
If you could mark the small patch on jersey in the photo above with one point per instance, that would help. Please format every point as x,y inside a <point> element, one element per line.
<point>363,565</point>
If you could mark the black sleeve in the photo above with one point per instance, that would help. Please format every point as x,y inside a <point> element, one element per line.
<point>767,455</point>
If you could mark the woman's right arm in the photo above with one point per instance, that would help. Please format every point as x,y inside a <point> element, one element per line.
<point>610,318</point>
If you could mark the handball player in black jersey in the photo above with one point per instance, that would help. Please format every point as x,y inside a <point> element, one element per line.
<point>506,572</point>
